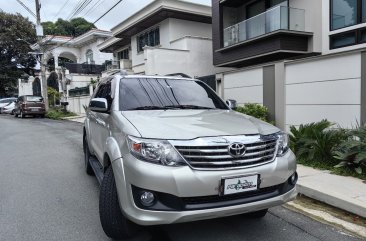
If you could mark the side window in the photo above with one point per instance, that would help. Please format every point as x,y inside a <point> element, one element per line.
<point>100,92</point>
<point>104,91</point>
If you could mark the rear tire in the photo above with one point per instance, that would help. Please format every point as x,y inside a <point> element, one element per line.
<point>114,224</point>
<point>258,214</point>
<point>13,112</point>
<point>88,169</point>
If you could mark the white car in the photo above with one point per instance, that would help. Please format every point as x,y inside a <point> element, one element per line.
<point>5,102</point>
<point>8,109</point>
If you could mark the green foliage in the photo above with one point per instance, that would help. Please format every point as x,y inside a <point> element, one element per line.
<point>52,81</point>
<point>352,151</point>
<point>53,96</point>
<point>75,27</point>
<point>315,141</point>
<point>256,110</point>
<point>58,114</point>
<point>14,57</point>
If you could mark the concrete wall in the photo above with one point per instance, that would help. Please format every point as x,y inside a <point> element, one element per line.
<point>183,44</point>
<point>313,18</point>
<point>324,88</point>
<point>245,86</point>
<point>179,28</point>
<point>76,104</point>
<point>98,56</point>
<point>138,57</point>
<point>309,90</point>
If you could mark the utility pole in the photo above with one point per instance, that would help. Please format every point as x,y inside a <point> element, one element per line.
<point>42,57</point>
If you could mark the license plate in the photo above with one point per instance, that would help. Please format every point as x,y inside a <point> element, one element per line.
<point>239,184</point>
<point>34,110</point>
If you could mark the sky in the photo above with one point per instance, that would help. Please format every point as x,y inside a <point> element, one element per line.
<point>51,10</point>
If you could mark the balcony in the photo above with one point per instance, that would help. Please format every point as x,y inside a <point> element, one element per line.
<point>93,69</point>
<point>278,18</point>
<point>277,34</point>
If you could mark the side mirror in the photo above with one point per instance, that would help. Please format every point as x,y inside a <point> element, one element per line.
<point>99,105</point>
<point>231,103</point>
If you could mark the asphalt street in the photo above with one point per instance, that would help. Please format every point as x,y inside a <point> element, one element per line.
<point>45,195</point>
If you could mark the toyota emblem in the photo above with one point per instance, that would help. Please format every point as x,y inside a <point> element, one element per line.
<point>237,149</point>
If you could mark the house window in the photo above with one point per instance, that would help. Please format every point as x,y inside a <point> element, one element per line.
<point>89,56</point>
<point>151,38</point>
<point>343,40</point>
<point>363,11</point>
<point>344,13</point>
<point>124,54</point>
<point>363,36</point>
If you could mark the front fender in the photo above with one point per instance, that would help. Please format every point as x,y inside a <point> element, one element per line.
<point>112,149</point>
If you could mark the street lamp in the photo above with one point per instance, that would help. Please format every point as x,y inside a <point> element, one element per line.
<point>43,70</point>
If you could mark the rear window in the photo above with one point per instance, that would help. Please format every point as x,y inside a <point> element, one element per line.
<point>34,99</point>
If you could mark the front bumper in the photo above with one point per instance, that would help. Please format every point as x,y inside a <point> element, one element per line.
<point>185,182</point>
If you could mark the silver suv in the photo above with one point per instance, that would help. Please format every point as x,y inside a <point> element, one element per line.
<point>168,150</point>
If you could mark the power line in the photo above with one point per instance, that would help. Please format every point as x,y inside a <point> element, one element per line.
<point>76,7</point>
<point>63,6</point>
<point>85,4</point>
<point>94,7</point>
<point>107,11</point>
<point>26,8</point>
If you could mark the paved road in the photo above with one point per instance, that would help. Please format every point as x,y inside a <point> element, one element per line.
<point>45,195</point>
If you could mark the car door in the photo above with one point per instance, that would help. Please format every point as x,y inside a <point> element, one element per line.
<point>99,122</point>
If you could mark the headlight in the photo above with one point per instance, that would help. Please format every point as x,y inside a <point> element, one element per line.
<point>155,151</point>
<point>282,143</point>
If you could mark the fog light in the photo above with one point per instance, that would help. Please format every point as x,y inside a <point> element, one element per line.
<point>293,179</point>
<point>147,198</point>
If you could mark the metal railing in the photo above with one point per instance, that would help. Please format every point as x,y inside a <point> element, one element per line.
<point>111,65</point>
<point>84,68</point>
<point>277,18</point>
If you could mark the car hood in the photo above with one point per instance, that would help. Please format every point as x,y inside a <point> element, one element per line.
<point>190,124</point>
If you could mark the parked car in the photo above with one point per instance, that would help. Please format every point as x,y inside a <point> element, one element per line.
<point>29,105</point>
<point>169,150</point>
<point>9,109</point>
<point>5,102</point>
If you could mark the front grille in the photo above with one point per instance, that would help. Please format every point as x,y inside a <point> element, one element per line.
<point>217,156</point>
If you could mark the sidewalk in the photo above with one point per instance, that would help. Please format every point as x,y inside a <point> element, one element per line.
<point>79,118</point>
<point>346,193</point>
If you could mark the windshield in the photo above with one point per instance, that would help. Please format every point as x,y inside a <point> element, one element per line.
<point>34,99</point>
<point>151,93</point>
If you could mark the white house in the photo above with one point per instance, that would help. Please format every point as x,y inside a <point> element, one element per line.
<point>76,61</point>
<point>303,59</point>
<point>165,37</point>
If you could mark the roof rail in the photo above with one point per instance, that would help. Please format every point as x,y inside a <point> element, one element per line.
<point>120,71</point>
<point>180,75</point>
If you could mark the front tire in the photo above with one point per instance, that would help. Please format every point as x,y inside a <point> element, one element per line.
<point>114,224</point>
<point>13,112</point>
<point>87,154</point>
<point>21,114</point>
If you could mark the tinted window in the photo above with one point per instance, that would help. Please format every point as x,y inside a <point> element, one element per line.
<point>342,40</point>
<point>344,13</point>
<point>364,11</point>
<point>143,92</point>
<point>363,36</point>
<point>34,99</point>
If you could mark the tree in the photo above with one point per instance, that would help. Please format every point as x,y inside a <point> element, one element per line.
<point>52,81</point>
<point>75,27</point>
<point>14,57</point>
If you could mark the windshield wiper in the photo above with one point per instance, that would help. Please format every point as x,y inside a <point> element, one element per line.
<point>189,107</point>
<point>151,107</point>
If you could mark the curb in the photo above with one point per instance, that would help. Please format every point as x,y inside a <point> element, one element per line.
<point>332,200</point>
